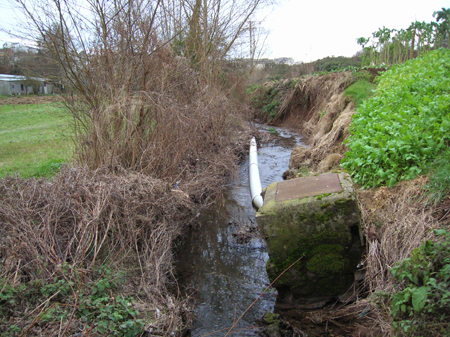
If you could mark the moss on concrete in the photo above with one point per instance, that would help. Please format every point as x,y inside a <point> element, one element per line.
<point>327,260</point>
<point>320,231</point>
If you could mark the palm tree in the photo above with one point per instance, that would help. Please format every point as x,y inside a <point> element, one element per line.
<point>444,26</point>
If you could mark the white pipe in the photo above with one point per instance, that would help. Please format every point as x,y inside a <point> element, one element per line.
<point>253,171</point>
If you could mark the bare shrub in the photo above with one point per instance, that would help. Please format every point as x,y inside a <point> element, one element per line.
<point>163,133</point>
<point>91,219</point>
<point>136,104</point>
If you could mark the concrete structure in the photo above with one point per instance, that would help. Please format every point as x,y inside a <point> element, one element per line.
<point>316,218</point>
<point>22,85</point>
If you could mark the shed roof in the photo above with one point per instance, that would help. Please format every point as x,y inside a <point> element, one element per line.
<point>14,78</point>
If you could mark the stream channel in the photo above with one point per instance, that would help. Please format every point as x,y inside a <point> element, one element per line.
<point>222,261</point>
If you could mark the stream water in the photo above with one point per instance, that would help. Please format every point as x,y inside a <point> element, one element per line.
<point>224,257</point>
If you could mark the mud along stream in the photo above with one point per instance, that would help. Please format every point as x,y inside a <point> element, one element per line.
<point>222,261</point>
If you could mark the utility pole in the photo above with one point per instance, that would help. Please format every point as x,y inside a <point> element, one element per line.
<point>251,45</point>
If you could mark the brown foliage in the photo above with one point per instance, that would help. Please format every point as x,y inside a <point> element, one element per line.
<point>169,125</point>
<point>396,221</point>
<point>318,109</point>
<point>87,219</point>
<point>316,102</point>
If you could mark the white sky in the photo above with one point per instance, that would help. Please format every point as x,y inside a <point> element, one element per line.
<point>307,30</point>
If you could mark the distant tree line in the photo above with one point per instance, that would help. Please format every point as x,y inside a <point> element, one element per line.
<point>32,63</point>
<point>391,46</point>
<point>274,71</point>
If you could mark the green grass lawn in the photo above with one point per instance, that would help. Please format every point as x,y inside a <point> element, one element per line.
<point>34,140</point>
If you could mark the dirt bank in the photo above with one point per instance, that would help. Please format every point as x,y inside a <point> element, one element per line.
<point>395,220</point>
<point>314,105</point>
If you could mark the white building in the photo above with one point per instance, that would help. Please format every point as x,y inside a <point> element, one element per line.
<point>21,85</point>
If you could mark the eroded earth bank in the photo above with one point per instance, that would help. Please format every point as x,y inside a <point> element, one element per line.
<point>394,221</point>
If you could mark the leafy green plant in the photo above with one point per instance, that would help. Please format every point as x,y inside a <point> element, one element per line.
<point>267,100</point>
<point>252,88</point>
<point>420,307</point>
<point>13,330</point>
<point>96,305</point>
<point>271,108</point>
<point>49,168</point>
<point>323,113</point>
<point>405,125</point>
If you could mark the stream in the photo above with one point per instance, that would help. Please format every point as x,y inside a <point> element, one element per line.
<point>223,259</point>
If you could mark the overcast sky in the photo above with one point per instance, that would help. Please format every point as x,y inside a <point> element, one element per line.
<point>307,30</point>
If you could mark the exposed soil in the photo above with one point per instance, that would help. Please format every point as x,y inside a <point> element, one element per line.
<point>315,105</point>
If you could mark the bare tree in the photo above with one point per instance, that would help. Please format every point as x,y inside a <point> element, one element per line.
<point>208,31</point>
<point>133,98</point>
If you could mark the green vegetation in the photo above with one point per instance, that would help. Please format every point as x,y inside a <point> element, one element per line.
<point>267,99</point>
<point>34,140</point>
<point>438,186</point>
<point>96,304</point>
<point>402,129</point>
<point>333,64</point>
<point>360,91</point>
<point>420,308</point>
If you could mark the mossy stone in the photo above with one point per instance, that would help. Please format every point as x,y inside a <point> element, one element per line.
<point>323,231</point>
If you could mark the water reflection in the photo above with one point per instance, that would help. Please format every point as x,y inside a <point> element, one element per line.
<point>227,273</point>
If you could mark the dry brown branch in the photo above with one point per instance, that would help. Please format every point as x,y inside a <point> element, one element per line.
<point>86,219</point>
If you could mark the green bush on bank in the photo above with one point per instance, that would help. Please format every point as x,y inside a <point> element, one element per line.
<point>420,306</point>
<point>405,126</point>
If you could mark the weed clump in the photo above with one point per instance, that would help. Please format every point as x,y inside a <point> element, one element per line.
<point>267,99</point>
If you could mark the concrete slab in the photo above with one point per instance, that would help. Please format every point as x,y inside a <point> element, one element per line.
<point>316,219</point>
<point>308,187</point>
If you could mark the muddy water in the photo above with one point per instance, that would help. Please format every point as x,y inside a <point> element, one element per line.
<point>223,260</point>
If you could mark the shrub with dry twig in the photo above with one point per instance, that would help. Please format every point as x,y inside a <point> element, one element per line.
<point>79,225</point>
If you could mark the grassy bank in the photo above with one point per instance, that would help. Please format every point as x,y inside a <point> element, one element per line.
<point>34,139</point>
